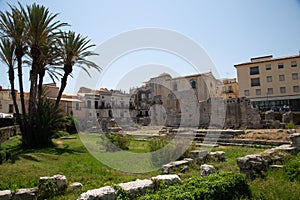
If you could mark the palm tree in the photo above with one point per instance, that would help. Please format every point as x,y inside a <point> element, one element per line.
<point>7,56</point>
<point>42,28</point>
<point>74,49</point>
<point>12,25</point>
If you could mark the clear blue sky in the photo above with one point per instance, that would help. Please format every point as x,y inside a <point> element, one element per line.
<point>229,31</point>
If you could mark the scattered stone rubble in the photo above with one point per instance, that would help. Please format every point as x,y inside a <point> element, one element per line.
<point>206,170</point>
<point>76,186</point>
<point>133,188</point>
<point>197,156</point>
<point>254,164</point>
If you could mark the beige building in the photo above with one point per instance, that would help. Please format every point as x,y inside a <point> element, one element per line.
<point>167,100</point>
<point>6,101</point>
<point>271,83</point>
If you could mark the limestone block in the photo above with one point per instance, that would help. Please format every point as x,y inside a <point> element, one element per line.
<point>251,164</point>
<point>170,178</point>
<point>291,131</point>
<point>59,180</point>
<point>188,159</point>
<point>5,195</point>
<point>25,194</point>
<point>296,140</point>
<point>166,168</point>
<point>206,170</point>
<point>104,193</point>
<point>198,154</point>
<point>138,187</point>
<point>221,155</point>
<point>76,186</point>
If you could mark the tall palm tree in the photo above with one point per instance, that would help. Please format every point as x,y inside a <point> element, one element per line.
<point>74,50</point>
<point>7,56</point>
<point>12,25</point>
<point>42,27</point>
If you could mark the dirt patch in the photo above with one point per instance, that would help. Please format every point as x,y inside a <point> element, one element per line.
<point>266,134</point>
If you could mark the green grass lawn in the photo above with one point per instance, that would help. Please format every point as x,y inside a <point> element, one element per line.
<point>73,160</point>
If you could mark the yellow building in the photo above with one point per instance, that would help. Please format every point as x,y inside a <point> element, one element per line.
<point>228,88</point>
<point>271,83</point>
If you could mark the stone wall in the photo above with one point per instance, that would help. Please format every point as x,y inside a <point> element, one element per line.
<point>7,132</point>
<point>235,113</point>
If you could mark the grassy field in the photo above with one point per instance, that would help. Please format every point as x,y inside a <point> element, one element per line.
<point>71,159</point>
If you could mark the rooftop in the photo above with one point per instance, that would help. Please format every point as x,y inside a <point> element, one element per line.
<point>266,59</point>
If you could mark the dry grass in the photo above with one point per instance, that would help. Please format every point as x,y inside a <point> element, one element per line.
<point>266,134</point>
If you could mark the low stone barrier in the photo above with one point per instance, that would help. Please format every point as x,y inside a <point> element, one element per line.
<point>133,188</point>
<point>60,182</point>
<point>5,195</point>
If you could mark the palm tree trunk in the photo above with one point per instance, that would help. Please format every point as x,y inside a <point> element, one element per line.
<point>40,85</point>
<point>61,89</point>
<point>35,52</point>
<point>14,97</point>
<point>20,75</point>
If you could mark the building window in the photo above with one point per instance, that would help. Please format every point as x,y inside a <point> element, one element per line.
<point>270,90</point>
<point>254,70</point>
<point>294,64</point>
<point>281,78</point>
<point>96,104</point>
<point>193,84</point>
<point>280,66</point>
<point>255,82</point>
<point>77,107</point>
<point>268,67</point>
<point>269,78</point>
<point>230,90</point>
<point>296,88</point>
<point>223,90</point>
<point>258,92</point>
<point>0,105</point>
<point>88,104</point>
<point>175,86</point>
<point>246,92</point>
<point>282,90</point>
<point>295,76</point>
<point>10,108</point>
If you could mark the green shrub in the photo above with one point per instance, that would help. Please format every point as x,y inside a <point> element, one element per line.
<point>289,126</point>
<point>71,124</point>
<point>47,189</point>
<point>47,121</point>
<point>292,168</point>
<point>216,186</point>
<point>118,140</point>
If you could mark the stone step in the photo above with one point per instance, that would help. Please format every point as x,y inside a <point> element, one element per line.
<point>235,141</point>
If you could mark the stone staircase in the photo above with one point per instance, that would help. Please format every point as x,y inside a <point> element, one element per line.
<point>212,138</point>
